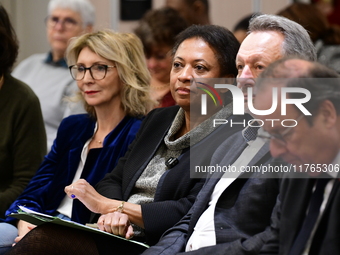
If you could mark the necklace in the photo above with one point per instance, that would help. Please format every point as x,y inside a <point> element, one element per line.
<point>99,141</point>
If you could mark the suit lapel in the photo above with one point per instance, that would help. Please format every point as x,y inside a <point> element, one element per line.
<point>223,156</point>
<point>328,222</point>
<point>229,159</point>
<point>148,143</point>
<point>232,153</point>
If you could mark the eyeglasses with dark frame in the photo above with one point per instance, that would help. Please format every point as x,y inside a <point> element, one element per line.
<point>97,71</point>
<point>278,137</point>
<point>67,23</point>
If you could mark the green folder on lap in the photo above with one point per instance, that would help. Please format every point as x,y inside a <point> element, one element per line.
<point>37,218</point>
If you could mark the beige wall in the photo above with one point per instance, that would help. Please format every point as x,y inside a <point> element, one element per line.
<point>226,12</point>
<point>28,17</point>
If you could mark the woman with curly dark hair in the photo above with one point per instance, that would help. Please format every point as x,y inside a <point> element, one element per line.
<point>157,31</point>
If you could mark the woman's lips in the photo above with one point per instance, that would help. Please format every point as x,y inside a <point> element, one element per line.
<point>91,92</point>
<point>183,91</point>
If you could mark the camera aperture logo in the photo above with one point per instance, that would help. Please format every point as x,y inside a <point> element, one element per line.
<point>211,91</point>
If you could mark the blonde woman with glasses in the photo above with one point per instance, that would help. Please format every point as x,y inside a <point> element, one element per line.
<point>113,83</point>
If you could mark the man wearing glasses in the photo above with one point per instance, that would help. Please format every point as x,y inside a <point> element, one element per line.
<point>48,74</point>
<point>306,218</point>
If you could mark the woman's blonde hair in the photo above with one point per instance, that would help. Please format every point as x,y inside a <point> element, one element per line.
<point>126,51</point>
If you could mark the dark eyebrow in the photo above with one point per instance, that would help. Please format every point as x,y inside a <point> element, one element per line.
<point>178,58</point>
<point>196,60</point>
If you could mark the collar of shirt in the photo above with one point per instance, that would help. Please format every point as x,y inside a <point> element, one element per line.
<point>60,62</point>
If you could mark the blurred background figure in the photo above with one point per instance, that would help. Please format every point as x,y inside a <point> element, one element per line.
<point>330,8</point>
<point>325,36</point>
<point>240,29</point>
<point>157,31</point>
<point>47,74</point>
<point>22,136</point>
<point>193,11</point>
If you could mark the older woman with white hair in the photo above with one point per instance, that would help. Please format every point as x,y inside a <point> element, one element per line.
<point>47,74</point>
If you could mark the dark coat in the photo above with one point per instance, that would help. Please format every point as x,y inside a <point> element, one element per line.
<point>291,211</point>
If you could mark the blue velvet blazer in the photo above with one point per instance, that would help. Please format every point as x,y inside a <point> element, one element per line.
<point>46,190</point>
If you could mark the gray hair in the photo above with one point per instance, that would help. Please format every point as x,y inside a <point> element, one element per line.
<point>83,7</point>
<point>297,41</point>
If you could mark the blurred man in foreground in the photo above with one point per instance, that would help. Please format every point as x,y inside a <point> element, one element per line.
<point>305,220</point>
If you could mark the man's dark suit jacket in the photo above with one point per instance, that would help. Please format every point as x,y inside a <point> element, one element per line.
<point>176,191</point>
<point>242,214</point>
<point>290,212</point>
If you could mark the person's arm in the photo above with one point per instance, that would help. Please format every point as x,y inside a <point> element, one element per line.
<point>272,244</point>
<point>160,216</point>
<point>33,196</point>
<point>246,246</point>
<point>174,239</point>
<point>265,242</point>
<point>28,150</point>
<point>100,204</point>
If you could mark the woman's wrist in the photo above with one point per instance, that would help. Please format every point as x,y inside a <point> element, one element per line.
<point>110,206</point>
<point>120,208</point>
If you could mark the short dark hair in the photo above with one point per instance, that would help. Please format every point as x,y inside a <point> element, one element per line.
<point>243,23</point>
<point>160,27</point>
<point>9,45</point>
<point>204,2</point>
<point>220,39</point>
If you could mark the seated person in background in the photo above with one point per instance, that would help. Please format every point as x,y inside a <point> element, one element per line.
<point>306,217</point>
<point>240,29</point>
<point>113,82</point>
<point>193,11</point>
<point>158,30</point>
<point>22,136</point>
<point>325,36</point>
<point>47,74</point>
<point>156,194</point>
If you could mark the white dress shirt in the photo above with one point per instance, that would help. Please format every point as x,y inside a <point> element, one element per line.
<point>204,231</point>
